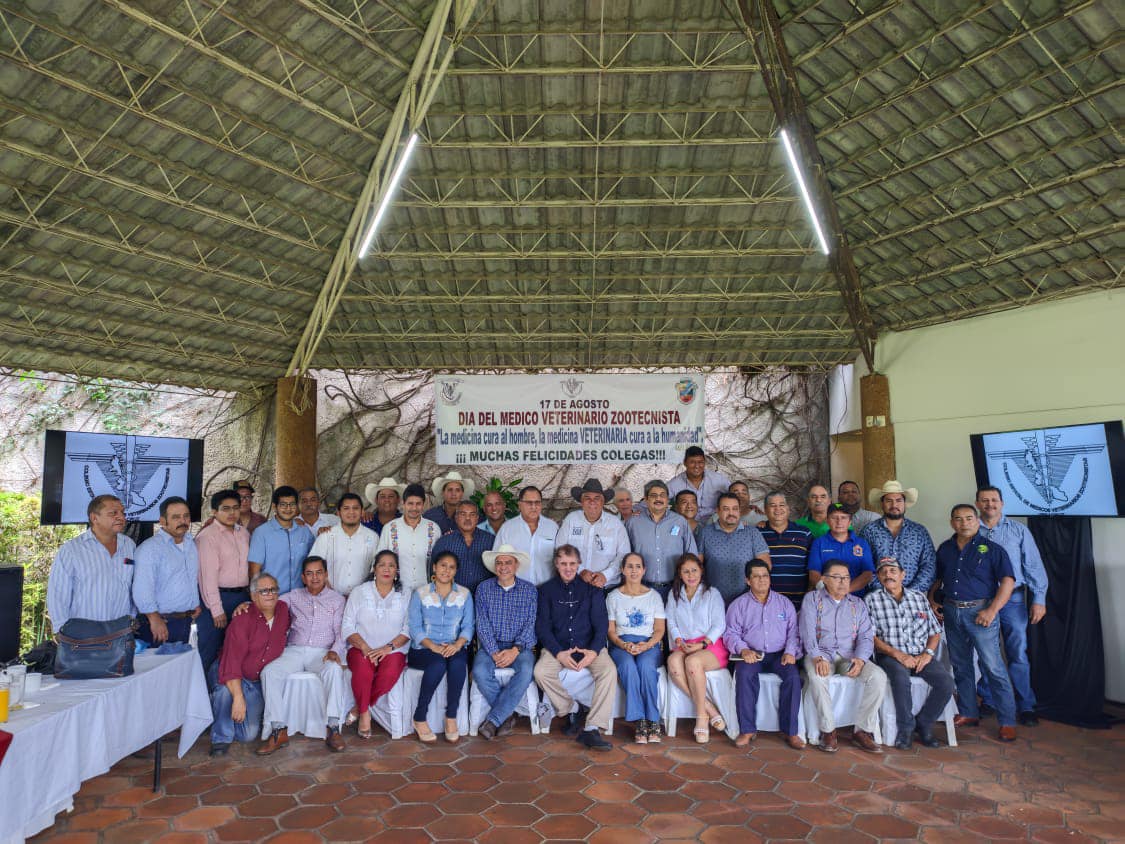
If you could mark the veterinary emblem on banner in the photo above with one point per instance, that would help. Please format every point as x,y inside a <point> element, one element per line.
<point>450,390</point>
<point>686,389</point>
<point>572,387</point>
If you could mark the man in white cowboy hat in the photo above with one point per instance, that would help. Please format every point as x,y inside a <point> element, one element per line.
<point>896,536</point>
<point>384,498</point>
<point>598,534</point>
<point>506,607</point>
<point>450,489</point>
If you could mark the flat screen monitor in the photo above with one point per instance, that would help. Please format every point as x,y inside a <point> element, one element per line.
<point>142,471</point>
<point>1073,470</point>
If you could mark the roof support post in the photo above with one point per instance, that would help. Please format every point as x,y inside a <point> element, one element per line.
<point>429,67</point>
<point>762,27</point>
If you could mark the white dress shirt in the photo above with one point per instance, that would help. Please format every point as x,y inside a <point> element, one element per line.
<point>602,544</point>
<point>376,619</point>
<point>413,546</point>
<point>704,615</point>
<point>541,545</point>
<point>349,557</point>
<point>323,520</point>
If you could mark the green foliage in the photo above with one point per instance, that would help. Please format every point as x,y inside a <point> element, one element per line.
<point>23,541</point>
<point>509,491</point>
<point>121,404</point>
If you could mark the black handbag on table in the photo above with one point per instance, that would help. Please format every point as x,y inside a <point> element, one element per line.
<point>91,650</point>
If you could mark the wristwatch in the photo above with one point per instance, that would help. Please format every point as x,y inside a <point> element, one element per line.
<point>929,651</point>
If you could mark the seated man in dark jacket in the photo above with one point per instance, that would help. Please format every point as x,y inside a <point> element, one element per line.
<point>253,640</point>
<point>572,627</point>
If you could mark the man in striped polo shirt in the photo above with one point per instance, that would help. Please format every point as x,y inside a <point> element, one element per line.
<point>789,549</point>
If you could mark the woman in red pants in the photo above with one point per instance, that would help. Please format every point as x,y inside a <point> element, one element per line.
<point>375,627</point>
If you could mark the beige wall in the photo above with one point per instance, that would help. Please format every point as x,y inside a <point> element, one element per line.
<point>1056,363</point>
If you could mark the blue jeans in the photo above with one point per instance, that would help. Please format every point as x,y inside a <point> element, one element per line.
<point>965,636</point>
<point>1013,627</point>
<point>433,668</point>
<point>639,678</point>
<point>502,699</point>
<point>223,729</point>
<point>209,638</point>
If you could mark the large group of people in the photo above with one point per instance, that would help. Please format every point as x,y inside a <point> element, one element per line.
<point>693,578</point>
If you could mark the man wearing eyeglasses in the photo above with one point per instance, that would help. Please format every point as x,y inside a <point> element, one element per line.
<point>280,546</point>
<point>533,533</point>
<point>838,638</point>
<point>223,547</point>
<point>254,639</point>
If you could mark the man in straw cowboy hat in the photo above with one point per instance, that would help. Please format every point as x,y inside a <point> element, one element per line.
<point>384,498</point>
<point>505,606</point>
<point>450,490</point>
<point>896,536</point>
<point>599,535</point>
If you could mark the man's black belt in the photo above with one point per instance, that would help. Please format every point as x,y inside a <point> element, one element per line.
<point>229,589</point>
<point>965,605</point>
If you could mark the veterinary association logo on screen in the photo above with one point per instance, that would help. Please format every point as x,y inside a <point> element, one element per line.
<point>128,471</point>
<point>1049,474</point>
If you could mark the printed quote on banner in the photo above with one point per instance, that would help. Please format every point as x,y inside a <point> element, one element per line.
<point>529,419</point>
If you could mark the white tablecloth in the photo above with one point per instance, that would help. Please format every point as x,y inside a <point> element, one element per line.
<point>82,728</point>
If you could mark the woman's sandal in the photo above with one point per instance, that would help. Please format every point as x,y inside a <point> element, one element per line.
<point>427,736</point>
<point>363,734</point>
<point>453,735</point>
<point>351,718</point>
<point>702,734</point>
<point>719,724</point>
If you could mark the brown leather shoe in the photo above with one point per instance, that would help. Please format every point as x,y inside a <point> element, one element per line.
<point>865,741</point>
<point>744,739</point>
<point>1007,734</point>
<point>277,740</point>
<point>828,742</point>
<point>335,741</point>
<point>796,742</point>
<point>962,721</point>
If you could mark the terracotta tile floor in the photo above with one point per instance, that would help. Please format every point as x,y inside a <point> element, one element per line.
<point>1055,784</point>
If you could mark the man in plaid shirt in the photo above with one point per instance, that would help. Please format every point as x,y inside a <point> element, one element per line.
<point>906,638</point>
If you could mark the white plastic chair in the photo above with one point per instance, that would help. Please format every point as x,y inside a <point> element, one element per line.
<point>769,699</point>
<point>478,704</point>
<point>919,691</point>
<point>305,698</point>
<point>720,689</point>
<point>394,711</point>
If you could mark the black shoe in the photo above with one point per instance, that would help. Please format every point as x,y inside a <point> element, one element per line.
<point>926,738</point>
<point>593,740</point>
<point>219,750</point>
<point>508,727</point>
<point>577,721</point>
<point>1029,719</point>
<point>903,742</point>
<point>487,730</point>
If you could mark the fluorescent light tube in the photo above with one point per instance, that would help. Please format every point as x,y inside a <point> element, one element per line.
<point>804,190</point>
<point>388,194</point>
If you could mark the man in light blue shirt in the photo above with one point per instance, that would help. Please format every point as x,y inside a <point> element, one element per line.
<point>660,537</point>
<point>166,577</point>
<point>1031,577</point>
<point>705,483</point>
<point>279,547</point>
<point>92,575</point>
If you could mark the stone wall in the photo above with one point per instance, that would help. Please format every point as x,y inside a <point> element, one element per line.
<point>769,428</point>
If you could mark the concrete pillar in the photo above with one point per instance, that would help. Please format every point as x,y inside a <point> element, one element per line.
<point>295,434</point>
<point>878,432</point>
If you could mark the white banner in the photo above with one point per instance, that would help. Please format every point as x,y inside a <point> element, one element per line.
<point>527,419</point>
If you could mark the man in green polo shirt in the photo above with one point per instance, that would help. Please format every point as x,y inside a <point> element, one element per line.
<point>816,522</point>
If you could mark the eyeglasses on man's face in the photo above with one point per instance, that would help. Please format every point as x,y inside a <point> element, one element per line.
<point>269,590</point>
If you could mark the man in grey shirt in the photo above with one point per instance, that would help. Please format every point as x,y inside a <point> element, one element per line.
<point>660,537</point>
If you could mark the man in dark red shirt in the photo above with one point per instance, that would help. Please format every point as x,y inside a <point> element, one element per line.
<point>254,639</point>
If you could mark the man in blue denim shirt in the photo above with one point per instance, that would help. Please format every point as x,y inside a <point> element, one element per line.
<point>280,546</point>
<point>977,579</point>
<point>1031,581</point>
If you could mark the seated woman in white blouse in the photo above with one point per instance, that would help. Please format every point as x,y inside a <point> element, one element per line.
<point>636,628</point>
<point>696,621</point>
<point>375,627</point>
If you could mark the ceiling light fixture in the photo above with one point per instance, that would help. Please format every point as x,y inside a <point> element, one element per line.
<point>396,177</point>
<point>804,190</point>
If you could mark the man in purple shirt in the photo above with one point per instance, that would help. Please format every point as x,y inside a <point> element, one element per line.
<point>762,629</point>
<point>838,637</point>
<point>315,645</point>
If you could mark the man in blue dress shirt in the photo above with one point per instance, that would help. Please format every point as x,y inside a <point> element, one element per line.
<point>977,580</point>
<point>166,577</point>
<point>279,547</point>
<point>1031,578</point>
